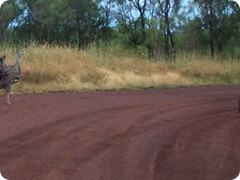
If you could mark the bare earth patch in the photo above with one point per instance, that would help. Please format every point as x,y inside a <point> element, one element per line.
<point>177,134</point>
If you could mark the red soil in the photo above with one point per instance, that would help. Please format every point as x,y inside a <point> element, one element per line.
<point>176,134</point>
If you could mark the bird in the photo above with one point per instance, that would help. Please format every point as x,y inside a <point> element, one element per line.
<point>10,74</point>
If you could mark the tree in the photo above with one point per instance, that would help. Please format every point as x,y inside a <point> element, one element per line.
<point>141,8</point>
<point>154,28</point>
<point>130,16</point>
<point>219,19</point>
<point>8,12</point>
<point>165,8</point>
<point>49,15</point>
<point>61,21</point>
<point>85,15</point>
<point>106,7</point>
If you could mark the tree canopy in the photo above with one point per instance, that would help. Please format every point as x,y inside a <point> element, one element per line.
<point>161,28</point>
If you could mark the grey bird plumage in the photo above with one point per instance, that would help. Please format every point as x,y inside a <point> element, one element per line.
<point>10,74</point>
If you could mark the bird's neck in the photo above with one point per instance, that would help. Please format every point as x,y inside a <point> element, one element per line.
<point>17,63</point>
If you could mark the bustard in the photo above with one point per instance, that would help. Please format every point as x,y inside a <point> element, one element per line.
<point>10,74</point>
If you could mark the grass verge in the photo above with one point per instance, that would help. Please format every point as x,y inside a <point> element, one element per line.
<point>47,68</point>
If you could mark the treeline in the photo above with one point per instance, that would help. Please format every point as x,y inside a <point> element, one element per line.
<point>159,29</point>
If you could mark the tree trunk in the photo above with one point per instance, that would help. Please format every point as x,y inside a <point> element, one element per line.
<point>169,37</point>
<point>79,32</point>
<point>211,33</point>
<point>166,45</point>
<point>143,27</point>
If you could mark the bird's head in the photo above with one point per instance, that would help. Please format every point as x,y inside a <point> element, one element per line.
<point>19,53</point>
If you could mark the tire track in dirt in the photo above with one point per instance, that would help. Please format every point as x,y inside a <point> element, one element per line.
<point>183,133</point>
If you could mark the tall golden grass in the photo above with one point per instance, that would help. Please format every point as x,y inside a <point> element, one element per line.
<point>46,68</point>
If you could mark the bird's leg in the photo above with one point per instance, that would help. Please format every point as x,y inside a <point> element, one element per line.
<point>8,91</point>
<point>8,102</point>
<point>11,91</point>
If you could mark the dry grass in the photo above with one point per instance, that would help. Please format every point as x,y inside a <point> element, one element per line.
<point>47,68</point>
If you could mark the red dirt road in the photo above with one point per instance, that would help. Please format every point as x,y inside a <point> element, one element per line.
<point>174,134</point>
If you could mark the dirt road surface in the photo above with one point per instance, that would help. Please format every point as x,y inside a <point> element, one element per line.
<point>164,134</point>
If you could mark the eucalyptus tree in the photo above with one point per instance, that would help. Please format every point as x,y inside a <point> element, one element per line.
<point>30,29</point>
<point>227,23</point>
<point>220,19</point>
<point>86,18</point>
<point>61,21</point>
<point>50,16</point>
<point>167,10</point>
<point>106,10</point>
<point>130,15</point>
<point>140,6</point>
<point>8,13</point>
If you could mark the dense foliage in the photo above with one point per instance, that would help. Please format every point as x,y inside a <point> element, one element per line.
<point>158,29</point>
